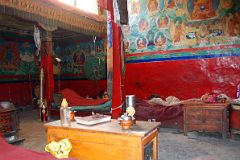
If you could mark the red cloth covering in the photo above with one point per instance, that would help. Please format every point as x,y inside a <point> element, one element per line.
<point>11,152</point>
<point>47,65</point>
<point>145,111</point>
<point>75,99</point>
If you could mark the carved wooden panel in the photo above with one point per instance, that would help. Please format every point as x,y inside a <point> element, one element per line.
<point>194,115</point>
<point>213,116</point>
<point>205,118</point>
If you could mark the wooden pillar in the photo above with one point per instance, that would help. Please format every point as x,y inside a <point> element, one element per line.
<point>47,65</point>
<point>117,73</point>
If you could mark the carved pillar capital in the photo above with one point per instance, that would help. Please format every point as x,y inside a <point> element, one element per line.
<point>47,44</point>
<point>46,36</point>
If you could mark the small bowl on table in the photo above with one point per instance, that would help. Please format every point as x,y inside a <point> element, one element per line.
<point>126,124</point>
<point>126,121</point>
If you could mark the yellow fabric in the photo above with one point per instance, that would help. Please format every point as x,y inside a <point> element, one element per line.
<point>59,149</point>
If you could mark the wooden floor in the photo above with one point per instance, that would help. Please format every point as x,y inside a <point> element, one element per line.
<point>173,145</point>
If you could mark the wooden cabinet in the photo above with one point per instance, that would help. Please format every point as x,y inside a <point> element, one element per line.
<point>108,141</point>
<point>9,125</point>
<point>235,119</point>
<point>204,117</point>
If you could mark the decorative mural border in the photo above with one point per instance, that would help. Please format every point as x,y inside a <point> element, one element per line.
<point>185,54</point>
<point>184,58</point>
<point>35,79</point>
<point>19,78</point>
<point>184,50</point>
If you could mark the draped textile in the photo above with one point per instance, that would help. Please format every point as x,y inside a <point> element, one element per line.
<point>11,152</point>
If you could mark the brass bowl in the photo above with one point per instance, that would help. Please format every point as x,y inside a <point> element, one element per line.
<point>126,124</point>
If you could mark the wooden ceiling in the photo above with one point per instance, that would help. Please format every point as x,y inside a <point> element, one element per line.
<point>16,29</point>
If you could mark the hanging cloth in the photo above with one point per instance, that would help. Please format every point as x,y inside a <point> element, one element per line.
<point>120,12</point>
<point>123,11</point>
<point>116,12</point>
<point>37,39</point>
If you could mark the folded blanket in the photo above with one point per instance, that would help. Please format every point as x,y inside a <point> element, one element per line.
<point>145,111</point>
<point>170,101</point>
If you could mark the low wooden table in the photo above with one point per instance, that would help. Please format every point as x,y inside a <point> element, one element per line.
<point>206,117</point>
<point>108,141</point>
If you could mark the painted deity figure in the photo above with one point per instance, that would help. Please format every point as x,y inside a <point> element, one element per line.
<point>227,4</point>
<point>134,7</point>
<point>203,9</point>
<point>170,3</point>
<point>9,56</point>
<point>203,31</point>
<point>141,43</point>
<point>26,56</point>
<point>203,34</point>
<point>231,24</point>
<point>152,5</point>
<point>98,49</point>
<point>177,29</point>
<point>79,57</point>
<point>177,34</point>
<point>160,40</point>
<point>162,22</point>
<point>126,45</point>
<point>143,25</point>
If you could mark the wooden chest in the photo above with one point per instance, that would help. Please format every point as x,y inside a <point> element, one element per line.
<point>9,120</point>
<point>206,118</point>
<point>108,141</point>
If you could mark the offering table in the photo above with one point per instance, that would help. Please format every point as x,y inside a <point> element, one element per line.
<point>108,141</point>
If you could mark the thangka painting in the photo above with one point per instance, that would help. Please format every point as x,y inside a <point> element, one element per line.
<point>18,58</point>
<point>85,60</point>
<point>160,25</point>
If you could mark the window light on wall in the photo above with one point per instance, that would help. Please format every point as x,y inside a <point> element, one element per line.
<point>90,6</point>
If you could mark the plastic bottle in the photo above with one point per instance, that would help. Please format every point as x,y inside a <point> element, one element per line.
<point>65,113</point>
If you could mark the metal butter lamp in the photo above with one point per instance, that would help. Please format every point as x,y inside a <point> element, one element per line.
<point>130,105</point>
<point>127,119</point>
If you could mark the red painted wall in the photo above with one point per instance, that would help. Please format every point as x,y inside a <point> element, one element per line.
<point>21,93</point>
<point>18,93</point>
<point>183,78</point>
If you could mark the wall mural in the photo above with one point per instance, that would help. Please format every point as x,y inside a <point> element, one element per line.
<point>163,25</point>
<point>18,58</point>
<point>85,60</point>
